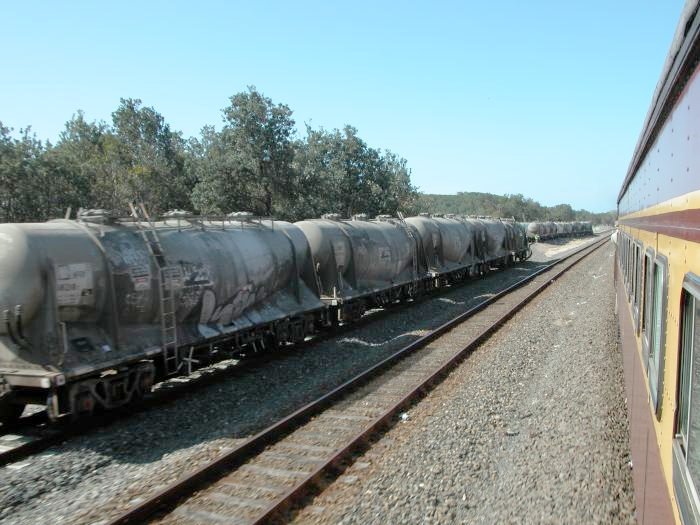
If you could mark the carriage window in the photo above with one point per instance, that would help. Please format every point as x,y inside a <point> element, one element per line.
<point>656,331</point>
<point>647,304</point>
<point>639,258</point>
<point>623,256</point>
<point>628,267</point>
<point>688,347</point>
<point>640,264</point>
<point>633,272</point>
<point>686,449</point>
<point>630,287</point>
<point>637,277</point>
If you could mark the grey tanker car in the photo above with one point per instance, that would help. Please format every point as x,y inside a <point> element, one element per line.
<point>541,231</point>
<point>362,263</point>
<point>87,304</point>
<point>95,310</point>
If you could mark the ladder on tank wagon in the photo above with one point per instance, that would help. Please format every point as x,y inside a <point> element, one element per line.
<point>168,327</point>
<point>414,246</point>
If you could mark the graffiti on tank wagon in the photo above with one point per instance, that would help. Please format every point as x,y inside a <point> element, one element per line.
<point>224,313</point>
<point>219,317</point>
<point>202,300</point>
<point>196,274</point>
<point>196,279</point>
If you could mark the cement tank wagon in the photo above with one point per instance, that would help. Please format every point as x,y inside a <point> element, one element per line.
<point>375,260</point>
<point>447,244</point>
<point>85,302</point>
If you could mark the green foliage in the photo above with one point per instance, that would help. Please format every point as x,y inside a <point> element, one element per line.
<point>31,185</point>
<point>150,159</point>
<point>87,154</point>
<point>521,208</point>
<point>256,163</point>
<point>248,165</point>
<point>340,173</point>
<point>137,159</point>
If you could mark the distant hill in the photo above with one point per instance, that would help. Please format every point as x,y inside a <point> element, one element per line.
<point>521,208</point>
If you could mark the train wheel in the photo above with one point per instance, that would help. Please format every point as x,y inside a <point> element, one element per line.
<point>144,386</point>
<point>84,405</point>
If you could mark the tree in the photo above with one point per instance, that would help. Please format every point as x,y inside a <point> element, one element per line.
<point>313,160</point>
<point>28,191</point>
<point>517,206</point>
<point>8,182</point>
<point>392,179</point>
<point>340,173</point>
<point>151,159</point>
<point>561,212</point>
<point>248,165</point>
<point>138,159</point>
<point>219,188</point>
<point>86,156</point>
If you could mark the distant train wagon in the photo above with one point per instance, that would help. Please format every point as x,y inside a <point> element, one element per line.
<point>542,231</point>
<point>658,289</point>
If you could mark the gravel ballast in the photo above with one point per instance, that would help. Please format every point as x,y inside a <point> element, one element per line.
<point>531,428</point>
<point>92,477</point>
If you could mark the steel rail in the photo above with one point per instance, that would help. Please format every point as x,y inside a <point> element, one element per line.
<point>168,497</point>
<point>23,437</point>
<point>420,391</point>
<point>34,434</point>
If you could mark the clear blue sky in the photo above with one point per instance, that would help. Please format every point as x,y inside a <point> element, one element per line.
<point>542,98</point>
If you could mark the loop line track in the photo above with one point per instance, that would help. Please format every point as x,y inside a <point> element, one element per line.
<point>486,317</point>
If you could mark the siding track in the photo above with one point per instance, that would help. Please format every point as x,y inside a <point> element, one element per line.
<point>34,434</point>
<point>271,472</point>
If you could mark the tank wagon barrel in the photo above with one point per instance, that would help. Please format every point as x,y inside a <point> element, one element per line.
<point>360,258</point>
<point>95,310</point>
<point>538,230</point>
<point>92,295</point>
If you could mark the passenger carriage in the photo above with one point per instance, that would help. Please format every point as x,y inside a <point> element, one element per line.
<point>658,289</point>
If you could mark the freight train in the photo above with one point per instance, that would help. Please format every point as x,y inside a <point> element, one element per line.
<point>658,289</point>
<point>96,309</point>
<point>542,231</point>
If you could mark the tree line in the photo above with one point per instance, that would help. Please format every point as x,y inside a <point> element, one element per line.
<point>521,208</point>
<point>255,162</point>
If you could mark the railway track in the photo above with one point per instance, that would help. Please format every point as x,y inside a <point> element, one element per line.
<point>268,474</point>
<point>33,434</point>
<point>25,437</point>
